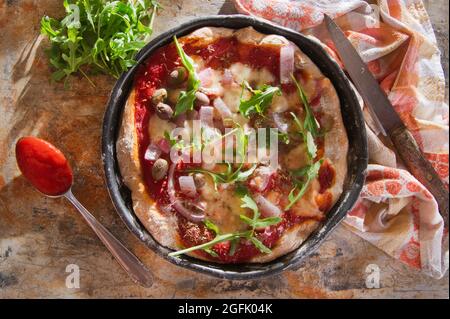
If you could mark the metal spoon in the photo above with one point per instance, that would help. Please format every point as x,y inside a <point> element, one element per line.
<point>40,153</point>
<point>129,262</point>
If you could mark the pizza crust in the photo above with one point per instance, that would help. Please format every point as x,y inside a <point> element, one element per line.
<point>164,227</point>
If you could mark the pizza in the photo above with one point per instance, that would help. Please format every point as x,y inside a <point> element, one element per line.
<point>198,108</point>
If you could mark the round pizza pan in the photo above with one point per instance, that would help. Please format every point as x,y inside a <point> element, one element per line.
<point>353,121</point>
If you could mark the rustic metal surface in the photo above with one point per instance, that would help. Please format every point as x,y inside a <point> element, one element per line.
<point>39,237</point>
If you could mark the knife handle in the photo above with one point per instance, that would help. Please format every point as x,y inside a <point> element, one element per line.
<point>420,167</point>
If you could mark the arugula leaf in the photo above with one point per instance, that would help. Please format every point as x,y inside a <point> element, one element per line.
<point>186,99</point>
<point>229,176</point>
<point>105,38</point>
<point>308,173</point>
<point>216,240</point>
<point>250,203</point>
<point>210,225</point>
<point>240,176</point>
<point>233,245</point>
<point>211,252</point>
<point>256,222</point>
<point>309,129</point>
<point>310,123</point>
<point>301,172</point>
<point>307,137</point>
<point>260,100</point>
<point>269,221</point>
<point>311,145</point>
<point>299,125</point>
<point>240,190</point>
<point>258,244</point>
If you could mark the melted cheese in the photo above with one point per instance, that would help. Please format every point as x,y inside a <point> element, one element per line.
<point>232,97</point>
<point>242,72</point>
<point>307,206</point>
<point>279,104</point>
<point>223,207</point>
<point>157,127</point>
<point>297,157</point>
<point>231,92</point>
<point>215,85</point>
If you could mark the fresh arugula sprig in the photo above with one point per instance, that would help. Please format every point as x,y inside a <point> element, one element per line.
<point>229,176</point>
<point>208,245</point>
<point>254,223</point>
<point>310,124</point>
<point>302,178</point>
<point>306,136</point>
<point>241,190</point>
<point>186,99</point>
<point>308,130</point>
<point>259,101</point>
<point>98,35</point>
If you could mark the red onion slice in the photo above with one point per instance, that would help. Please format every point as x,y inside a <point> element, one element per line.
<point>152,153</point>
<point>187,185</point>
<point>227,77</point>
<point>205,77</point>
<point>268,209</point>
<point>207,115</point>
<point>280,123</point>
<point>261,178</point>
<point>164,145</point>
<point>223,109</point>
<point>286,63</point>
<point>177,204</point>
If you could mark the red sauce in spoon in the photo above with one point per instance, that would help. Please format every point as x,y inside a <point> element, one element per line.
<point>44,166</point>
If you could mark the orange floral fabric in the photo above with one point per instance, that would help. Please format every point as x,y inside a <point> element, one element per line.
<point>395,38</point>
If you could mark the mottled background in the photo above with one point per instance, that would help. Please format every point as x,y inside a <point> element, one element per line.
<point>39,237</point>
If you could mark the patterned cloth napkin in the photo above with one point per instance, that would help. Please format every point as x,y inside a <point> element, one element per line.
<point>395,212</point>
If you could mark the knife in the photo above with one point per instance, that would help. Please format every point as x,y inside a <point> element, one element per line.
<point>388,119</point>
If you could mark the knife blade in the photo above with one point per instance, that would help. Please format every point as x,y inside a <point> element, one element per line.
<point>384,114</point>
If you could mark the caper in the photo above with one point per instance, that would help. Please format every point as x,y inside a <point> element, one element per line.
<point>159,169</point>
<point>159,96</point>
<point>177,76</point>
<point>199,180</point>
<point>164,111</point>
<point>201,99</point>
